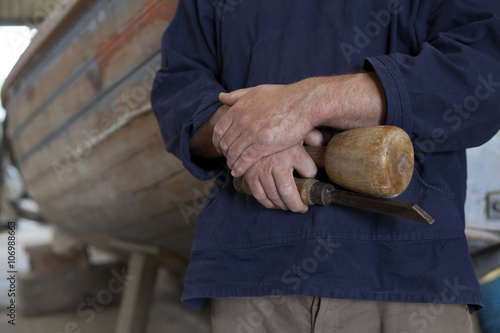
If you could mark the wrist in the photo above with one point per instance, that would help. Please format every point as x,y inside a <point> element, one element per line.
<point>200,143</point>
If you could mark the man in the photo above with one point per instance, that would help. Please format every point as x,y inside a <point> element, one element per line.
<point>287,68</point>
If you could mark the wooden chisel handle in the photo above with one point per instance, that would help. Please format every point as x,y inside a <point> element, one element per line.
<point>309,193</point>
<point>318,154</point>
<point>314,192</point>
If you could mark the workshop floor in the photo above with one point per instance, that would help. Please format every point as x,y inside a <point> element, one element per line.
<point>167,313</point>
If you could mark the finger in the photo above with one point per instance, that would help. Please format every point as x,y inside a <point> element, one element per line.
<point>246,159</point>
<point>220,130</point>
<point>235,150</point>
<point>258,192</point>
<point>305,165</point>
<point>288,192</point>
<point>232,144</point>
<point>314,138</point>
<point>232,97</point>
<point>269,186</point>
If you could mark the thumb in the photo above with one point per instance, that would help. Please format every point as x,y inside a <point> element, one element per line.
<point>232,97</point>
<point>314,138</point>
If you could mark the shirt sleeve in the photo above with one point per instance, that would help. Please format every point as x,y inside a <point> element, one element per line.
<point>186,89</point>
<point>447,94</point>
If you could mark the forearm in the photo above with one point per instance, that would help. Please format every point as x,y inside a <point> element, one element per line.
<point>346,101</point>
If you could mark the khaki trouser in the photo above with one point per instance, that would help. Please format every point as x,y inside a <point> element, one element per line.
<point>302,314</point>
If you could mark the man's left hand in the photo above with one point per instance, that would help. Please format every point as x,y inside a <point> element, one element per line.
<point>262,121</point>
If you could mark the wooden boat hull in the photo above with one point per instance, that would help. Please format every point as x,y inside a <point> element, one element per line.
<point>83,135</point>
<point>82,131</point>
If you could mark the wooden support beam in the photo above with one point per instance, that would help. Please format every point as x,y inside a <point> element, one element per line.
<point>136,301</point>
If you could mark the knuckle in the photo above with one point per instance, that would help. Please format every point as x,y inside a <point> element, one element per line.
<point>266,138</point>
<point>232,154</point>
<point>238,171</point>
<point>259,196</point>
<point>286,190</point>
<point>247,156</point>
<point>274,195</point>
<point>218,131</point>
<point>252,128</point>
<point>275,159</point>
<point>245,120</point>
<point>237,108</point>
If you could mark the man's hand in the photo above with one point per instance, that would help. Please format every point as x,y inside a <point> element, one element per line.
<point>268,119</point>
<point>262,121</point>
<point>271,179</point>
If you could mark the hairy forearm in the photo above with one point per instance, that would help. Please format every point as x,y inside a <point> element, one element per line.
<point>346,101</point>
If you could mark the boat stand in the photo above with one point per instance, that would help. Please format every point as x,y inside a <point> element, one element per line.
<point>133,315</point>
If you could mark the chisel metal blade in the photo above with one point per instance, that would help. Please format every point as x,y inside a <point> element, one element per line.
<point>391,207</point>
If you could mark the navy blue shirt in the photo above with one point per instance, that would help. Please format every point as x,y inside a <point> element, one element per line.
<point>438,61</point>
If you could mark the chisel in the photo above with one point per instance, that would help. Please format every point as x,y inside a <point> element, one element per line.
<point>314,192</point>
<point>376,163</point>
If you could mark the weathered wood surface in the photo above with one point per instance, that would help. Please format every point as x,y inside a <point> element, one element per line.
<point>83,133</point>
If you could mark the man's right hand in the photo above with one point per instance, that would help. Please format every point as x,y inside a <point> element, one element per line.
<point>271,179</point>
<point>272,182</point>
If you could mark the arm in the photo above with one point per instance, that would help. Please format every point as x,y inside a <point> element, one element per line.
<point>270,118</point>
<point>186,89</point>
<point>446,95</point>
<point>200,144</point>
<point>446,91</point>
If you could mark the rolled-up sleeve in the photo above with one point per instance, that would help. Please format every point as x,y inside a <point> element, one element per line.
<point>448,92</point>
<point>186,89</point>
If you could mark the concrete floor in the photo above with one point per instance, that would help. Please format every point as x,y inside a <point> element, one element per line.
<point>167,313</point>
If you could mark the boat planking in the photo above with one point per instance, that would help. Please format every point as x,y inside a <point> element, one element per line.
<point>83,135</point>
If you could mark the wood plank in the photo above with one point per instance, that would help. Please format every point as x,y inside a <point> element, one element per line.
<point>48,31</point>
<point>82,51</point>
<point>128,184</point>
<point>76,139</point>
<point>110,165</point>
<point>77,99</point>
<point>126,211</point>
<point>137,298</point>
